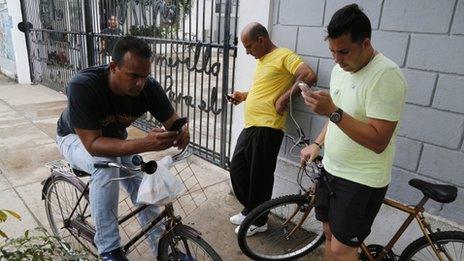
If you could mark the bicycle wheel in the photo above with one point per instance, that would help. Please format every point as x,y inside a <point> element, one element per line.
<point>77,231</point>
<point>284,239</point>
<point>182,244</point>
<point>451,242</point>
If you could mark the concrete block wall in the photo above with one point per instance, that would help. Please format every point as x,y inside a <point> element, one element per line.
<point>426,39</point>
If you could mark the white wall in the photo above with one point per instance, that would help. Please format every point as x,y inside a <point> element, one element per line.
<point>19,43</point>
<point>249,11</point>
<point>435,86</point>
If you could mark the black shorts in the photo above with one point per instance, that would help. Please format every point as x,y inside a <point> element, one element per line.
<point>351,211</point>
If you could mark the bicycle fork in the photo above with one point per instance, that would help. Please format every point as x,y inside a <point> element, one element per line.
<point>305,215</point>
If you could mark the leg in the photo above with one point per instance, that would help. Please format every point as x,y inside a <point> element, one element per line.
<point>103,199</point>
<point>343,252</point>
<point>335,250</point>
<point>265,149</point>
<point>239,170</point>
<point>351,213</point>
<point>132,187</point>
<point>328,242</point>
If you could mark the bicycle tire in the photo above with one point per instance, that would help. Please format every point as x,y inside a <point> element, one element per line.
<point>420,249</point>
<point>56,212</point>
<point>183,234</point>
<point>311,231</point>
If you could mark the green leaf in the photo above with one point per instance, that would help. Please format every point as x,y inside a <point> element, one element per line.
<point>3,234</point>
<point>14,214</point>
<point>3,216</point>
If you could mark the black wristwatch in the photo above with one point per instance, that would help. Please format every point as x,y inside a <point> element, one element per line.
<point>336,116</point>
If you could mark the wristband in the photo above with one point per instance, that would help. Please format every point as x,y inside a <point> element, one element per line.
<point>319,145</point>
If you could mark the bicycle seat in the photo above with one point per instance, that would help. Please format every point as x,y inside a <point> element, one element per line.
<point>80,173</point>
<point>440,193</point>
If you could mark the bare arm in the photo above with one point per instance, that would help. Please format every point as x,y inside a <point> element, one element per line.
<point>303,73</point>
<point>157,139</point>
<point>310,152</point>
<point>375,134</point>
<point>103,45</point>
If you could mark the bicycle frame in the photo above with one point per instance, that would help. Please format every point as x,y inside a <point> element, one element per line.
<point>415,212</point>
<point>88,234</point>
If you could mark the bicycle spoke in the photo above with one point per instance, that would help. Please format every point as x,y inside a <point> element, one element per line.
<point>292,229</point>
<point>187,248</point>
<point>61,199</point>
<point>452,250</point>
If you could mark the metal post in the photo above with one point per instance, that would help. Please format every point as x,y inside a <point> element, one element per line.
<point>89,33</point>
<point>26,35</point>
<point>225,81</point>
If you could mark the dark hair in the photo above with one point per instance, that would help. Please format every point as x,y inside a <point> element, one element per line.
<point>350,19</point>
<point>131,44</point>
<point>257,30</point>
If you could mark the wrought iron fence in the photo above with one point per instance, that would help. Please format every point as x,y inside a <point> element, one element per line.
<point>193,41</point>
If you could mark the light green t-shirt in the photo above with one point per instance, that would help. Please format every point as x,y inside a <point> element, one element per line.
<point>376,91</point>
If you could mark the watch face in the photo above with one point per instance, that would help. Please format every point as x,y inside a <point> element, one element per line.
<point>335,117</point>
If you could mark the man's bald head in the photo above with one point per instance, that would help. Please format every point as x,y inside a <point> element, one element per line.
<point>255,39</point>
<point>254,31</point>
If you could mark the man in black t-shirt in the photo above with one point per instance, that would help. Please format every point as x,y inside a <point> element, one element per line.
<point>108,42</point>
<point>102,102</point>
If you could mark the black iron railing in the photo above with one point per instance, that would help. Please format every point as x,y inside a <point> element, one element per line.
<point>193,42</point>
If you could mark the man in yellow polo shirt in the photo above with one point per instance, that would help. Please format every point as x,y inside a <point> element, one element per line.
<point>254,161</point>
<point>364,107</point>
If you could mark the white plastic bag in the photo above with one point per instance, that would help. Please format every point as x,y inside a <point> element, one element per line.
<point>161,187</point>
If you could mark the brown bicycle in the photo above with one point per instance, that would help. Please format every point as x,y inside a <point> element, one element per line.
<point>293,230</point>
<point>67,207</point>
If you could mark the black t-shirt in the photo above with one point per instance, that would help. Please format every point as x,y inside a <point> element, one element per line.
<point>111,41</point>
<point>92,105</point>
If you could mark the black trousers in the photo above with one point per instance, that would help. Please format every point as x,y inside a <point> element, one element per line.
<point>253,165</point>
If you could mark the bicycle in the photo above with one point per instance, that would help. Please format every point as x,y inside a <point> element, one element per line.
<point>293,231</point>
<point>67,208</point>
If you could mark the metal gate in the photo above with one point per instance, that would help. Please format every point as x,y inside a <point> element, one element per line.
<point>193,41</point>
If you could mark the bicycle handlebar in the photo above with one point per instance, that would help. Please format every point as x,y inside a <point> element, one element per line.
<point>149,167</point>
<point>101,164</point>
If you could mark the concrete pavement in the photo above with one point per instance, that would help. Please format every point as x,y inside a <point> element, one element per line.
<point>28,115</point>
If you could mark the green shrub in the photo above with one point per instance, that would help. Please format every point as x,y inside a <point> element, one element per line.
<point>39,245</point>
<point>4,216</point>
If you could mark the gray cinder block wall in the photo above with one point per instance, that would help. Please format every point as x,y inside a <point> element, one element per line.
<point>426,39</point>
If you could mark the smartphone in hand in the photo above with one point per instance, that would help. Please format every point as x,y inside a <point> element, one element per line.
<point>230,98</point>
<point>177,124</point>
<point>304,87</point>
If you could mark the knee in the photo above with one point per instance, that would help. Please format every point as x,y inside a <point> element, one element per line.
<point>327,232</point>
<point>98,171</point>
<point>341,251</point>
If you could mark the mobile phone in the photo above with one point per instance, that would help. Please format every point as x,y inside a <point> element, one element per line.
<point>177,124</point>
<point>304,87</point>
<point>230,98</point>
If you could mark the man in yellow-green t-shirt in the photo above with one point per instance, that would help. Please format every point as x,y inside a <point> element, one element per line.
<point>254,161</point>
<point>365,104</point>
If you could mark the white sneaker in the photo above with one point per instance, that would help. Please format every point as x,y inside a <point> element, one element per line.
<point>237,219</point>
<point>253,230</point>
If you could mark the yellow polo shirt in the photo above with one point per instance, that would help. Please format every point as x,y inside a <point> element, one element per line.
<point>274,75</point>
<point>376,91</point>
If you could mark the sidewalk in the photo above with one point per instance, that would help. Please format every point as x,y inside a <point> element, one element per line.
<point>28,115</point>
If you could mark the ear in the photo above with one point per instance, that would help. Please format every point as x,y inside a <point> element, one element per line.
<point>366,43</point>
<point>113,66</point>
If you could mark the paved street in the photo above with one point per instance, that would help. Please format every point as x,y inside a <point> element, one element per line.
<point>28,115</point>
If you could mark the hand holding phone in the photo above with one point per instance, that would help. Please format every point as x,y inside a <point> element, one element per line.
<point>230,98</point>
<point>177,124</point>
<point>304,87</point>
